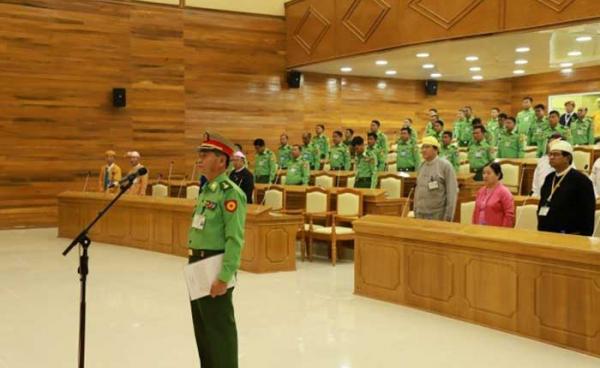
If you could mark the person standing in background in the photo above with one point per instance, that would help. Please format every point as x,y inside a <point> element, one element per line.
<point>511,144</point>
<point>449,151</point>
<point>408,123</point>
<point>141,182</point>
<point>377,151</point>
<point>492,125</point>
<point>310,152</point>
<point>462,129</point>
<point>542,169</point>
<point>321,141</point>
<point>480,153</point>
<point>569,116</point>
<point>382,141</point>
<point>526,116</point>
<point>366,165</point>
<point>110,174</point>
<point>582,128</point>
<point>494,205</point>
<point>537,129</point>
<point>299,170</point>
<point>265,165</point>
<point>407,155</point>
<point>284,153</point>
<point>433,117</point>
<point>241,176</point>
<point>339,154</point>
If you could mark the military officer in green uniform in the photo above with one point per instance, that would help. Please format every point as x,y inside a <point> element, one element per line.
<point>480,152</point>
<point>463,130</point>
<point>492,126</point>
<point>298,172</point>
<point>284,153</point>
<point>511,144</point>
<point>217,228</point>
<point>526,116</point>
<point>554,127</point>
<point>339,154</point>
<point>438,130</point>
<point>582,128</point>
<point>449,151</point>
<point>408,123</point>
<point>382,141</point>
<point>433,117</point>
<point>321,141</point>
<point>348,135</point>
<point>539,126</point>
<point>377,151</point>
<point>366,165</point>
<point>407,153</point>
<point>265,165</point>
<point>310,152</point>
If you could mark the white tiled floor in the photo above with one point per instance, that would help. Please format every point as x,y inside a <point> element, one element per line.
<point>139,317</point>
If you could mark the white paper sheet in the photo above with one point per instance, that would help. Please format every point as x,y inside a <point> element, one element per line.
<point>199,276</point>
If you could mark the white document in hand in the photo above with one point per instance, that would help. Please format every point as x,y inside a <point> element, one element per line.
<point>199,276</point>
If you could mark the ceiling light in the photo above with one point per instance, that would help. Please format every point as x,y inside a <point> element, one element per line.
<point>471,58</point>
<point>566,65</point>
<point>566,70</point>
<point>381,62</point>
<point>574,53</point>
<point>521,62</point>
<point>346,69</point>
<point>475,69</point>
<point>428,66</point>
<point>518,71</point>
<point>436,75</point>
<point>583,38</point>
<point>522,49</point>
<point>381,85</point>
<point>391,72</point>
<point>423,55</point>
<point>477,77</point>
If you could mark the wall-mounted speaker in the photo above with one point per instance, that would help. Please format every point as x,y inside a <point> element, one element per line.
<point>431,87</point>
<point>294,79</point>
<point>119,97</point>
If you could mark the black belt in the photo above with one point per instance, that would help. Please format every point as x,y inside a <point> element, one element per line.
<point>204,253</point>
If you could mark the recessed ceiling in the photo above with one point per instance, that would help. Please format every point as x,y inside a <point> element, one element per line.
<point>481,58</point>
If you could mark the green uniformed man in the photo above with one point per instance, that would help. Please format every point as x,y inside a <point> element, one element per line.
<point>554,127</point>
<point>438,130</point>
<point>339,154</point>
<point>480,152</point>
<point>321,141</point>
<point>408,123</point>
<point>463,130</point>
<point>449,151</point>
<point>539,126</point>
<point>526,116</point>
<point>298,172</point>
<point>582,128</point>
<point>433,117</point>
<point>348,135</point>
<point>511,144</point>
<point>492,126</point>
<point>217,228</point>
<point>407,153</point>
<point>469,117</point>
<point>377,151</point>
<point>310,152</point>
<point>265,165</point>
<point>366,165</point>
<point>382,141</point>
<point>284,153</point>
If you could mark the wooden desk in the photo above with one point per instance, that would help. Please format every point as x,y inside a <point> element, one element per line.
<point>540,285</point>
<point>162,225</point>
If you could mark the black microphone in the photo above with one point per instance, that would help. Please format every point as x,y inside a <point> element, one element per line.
<point>131,177</point>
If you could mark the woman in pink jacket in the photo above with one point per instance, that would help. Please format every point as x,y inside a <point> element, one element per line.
<point>494,205</point>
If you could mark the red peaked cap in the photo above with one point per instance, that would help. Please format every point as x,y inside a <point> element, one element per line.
<point>215,142</point>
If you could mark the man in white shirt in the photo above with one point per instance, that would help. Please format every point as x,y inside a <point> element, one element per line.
<point>542,170</point>
<point>595,177</point>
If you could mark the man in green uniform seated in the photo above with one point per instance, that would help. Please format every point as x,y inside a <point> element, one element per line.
<point>480,152</point>
<point>321,141</point>
<point>377,151</point>
<point>582,128</point>
<point>539,126</point>
<point>511,144</point>
<point>366,165</point>
<point>217,228</point>
<point>265,165</point>
<point>449,151</point>
<point>310,152</point>
<point>407,153</point>
<point>339,154</point>
<point>284,153</point>
<point>298,172</point>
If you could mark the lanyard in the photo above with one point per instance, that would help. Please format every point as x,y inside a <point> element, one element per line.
<point>555,185</point>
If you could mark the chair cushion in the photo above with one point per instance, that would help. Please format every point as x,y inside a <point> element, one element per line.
<point>342,230</point>
<point>307,227</point>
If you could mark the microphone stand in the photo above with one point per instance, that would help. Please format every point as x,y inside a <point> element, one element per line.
<point>84,241</point>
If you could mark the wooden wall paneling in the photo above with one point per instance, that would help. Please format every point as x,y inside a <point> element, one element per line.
<point>538,13</point>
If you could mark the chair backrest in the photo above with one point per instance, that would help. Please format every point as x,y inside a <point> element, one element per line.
<point>192,192</point>
<point>282,179</point>
<point>463,156</point>
<point>350,182</point>
<point>275,197</point>
<point>325,181</point>
<point>466,212</point>
<point>327,167</point>
<point>596,218</point>
<point>530,154</point>
<point>394,147</point>
<point>526,217</point>
<point>512,177</point>
<point>160,190</point>
<point>349,202</point>
<point>392,184</point>
<point>317,200</point>
<point>391,158</point>
<point>581,160</point>
<point>464,169</point>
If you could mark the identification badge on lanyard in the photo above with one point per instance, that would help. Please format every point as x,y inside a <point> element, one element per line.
<point>198,221</point>
<point>478,154</point>
<point>433,185</point>
<point>544,211</point>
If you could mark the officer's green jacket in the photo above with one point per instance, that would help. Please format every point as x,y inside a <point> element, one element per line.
<point>582,131</point>
<point>450,153</point>
<point>366,167</point>
<point>381,156</point>
<point>407,155</point>
<point>480,154</point>
<point>562,130</point>
<point>339,157</point>
<point>536,132</point>
<point>298,172</point>
<point>511,145</point>
<point>524,120</point>
<point>382,142</point>
<point>265,165</point>
<point>429,129</point>
<point>463,132</point>
<point>322,143</point>
<point>437,135</point>
<point>492,127</point>
<point>284,156</point>
<point>413,135</point>
<point>223,205</point>
<point>310,154</point>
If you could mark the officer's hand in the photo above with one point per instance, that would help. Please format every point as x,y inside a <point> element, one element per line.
<point>218,288</point>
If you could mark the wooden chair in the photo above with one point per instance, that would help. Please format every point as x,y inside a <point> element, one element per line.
<point>325,180</point>
<point>466,212</point>
<point>350,182</point>
<point>275,197</point>
<point>464,169</point>
<point>349,208</point>
<point>582,160</point>
<point>512,176</point>
<point>526,217</point>
<point>160,191</point>
<point>192,192</point>
<point>392,184</point>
